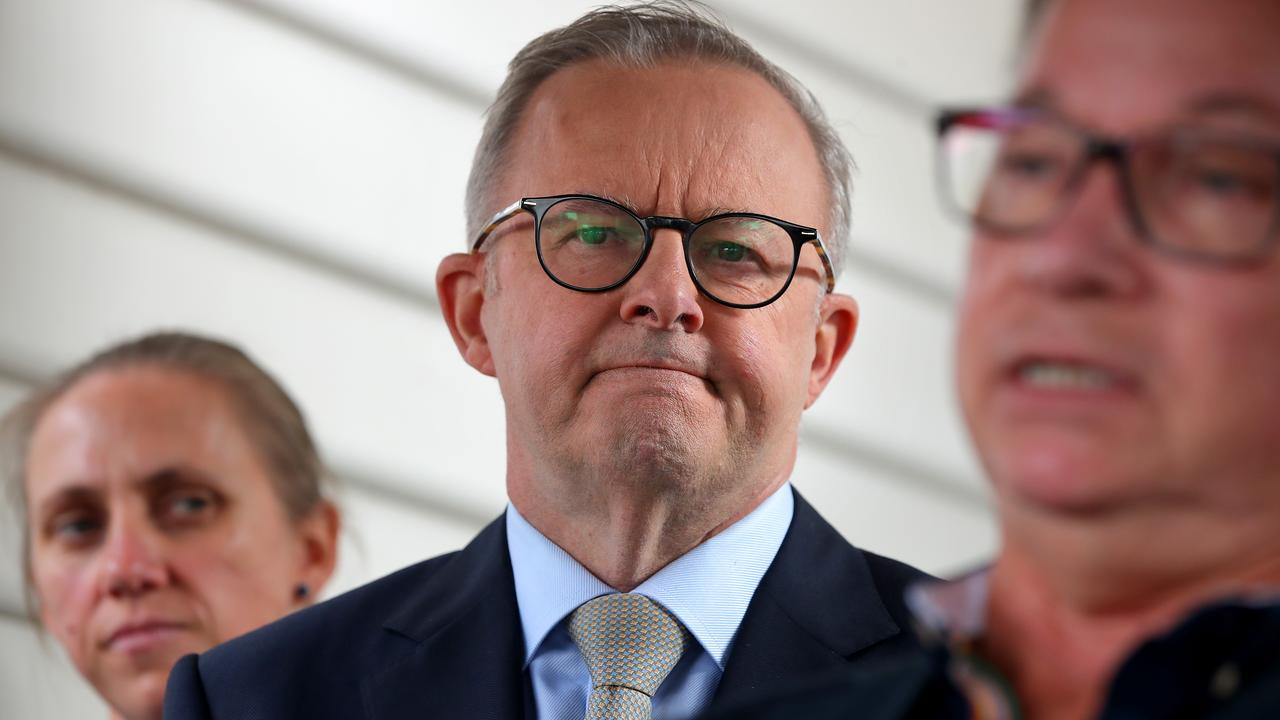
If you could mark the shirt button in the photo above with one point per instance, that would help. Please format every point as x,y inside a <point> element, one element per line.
<point>1225,682</point>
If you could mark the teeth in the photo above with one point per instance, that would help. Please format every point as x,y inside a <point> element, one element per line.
<point>1071,377</point>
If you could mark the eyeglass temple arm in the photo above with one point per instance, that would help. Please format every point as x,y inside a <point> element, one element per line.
<point>826,260</point>
<point>502,216</point>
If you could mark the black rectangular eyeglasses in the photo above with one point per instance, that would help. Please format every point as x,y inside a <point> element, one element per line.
<point>592,244</point>
<point>1196,193</point>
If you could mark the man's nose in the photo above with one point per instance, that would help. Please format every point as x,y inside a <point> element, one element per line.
<point>662,294</point>
<point>133,560</point>
<point>1092,249</point>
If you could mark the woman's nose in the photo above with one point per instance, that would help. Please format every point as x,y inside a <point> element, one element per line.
<point>132,562</point>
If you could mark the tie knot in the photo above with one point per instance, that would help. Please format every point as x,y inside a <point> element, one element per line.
<point>628,641</point>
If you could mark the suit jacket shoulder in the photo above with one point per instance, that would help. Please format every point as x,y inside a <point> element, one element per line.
<point>339,658</point>
<point>823,606</point>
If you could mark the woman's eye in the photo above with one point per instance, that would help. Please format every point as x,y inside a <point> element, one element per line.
<point>76,528</point>
<point>190,504</point>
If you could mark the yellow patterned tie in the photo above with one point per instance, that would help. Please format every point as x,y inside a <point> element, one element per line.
<point>630,643</point>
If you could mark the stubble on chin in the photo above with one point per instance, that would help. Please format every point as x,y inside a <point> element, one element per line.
<point>648,455</point>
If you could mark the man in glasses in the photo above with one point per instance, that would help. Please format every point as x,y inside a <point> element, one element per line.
<point>657,217</point>
<point>1118,357</point>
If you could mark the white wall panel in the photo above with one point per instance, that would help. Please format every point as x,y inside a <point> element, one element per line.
<point>37,681</point>
<point>890,516</point>
<point>381,534</point>
<point>895,389</point>
<point>204,103</point>
<point>919,48</point>
<point>471,41</point>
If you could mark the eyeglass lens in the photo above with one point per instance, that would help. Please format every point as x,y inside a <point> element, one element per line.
<point>1197,192</point>
<point>593,245</point>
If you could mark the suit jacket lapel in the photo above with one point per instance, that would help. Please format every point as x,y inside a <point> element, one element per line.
<point>816,606</point>
<point>461,629</point>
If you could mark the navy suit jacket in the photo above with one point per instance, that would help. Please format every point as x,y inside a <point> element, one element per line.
<point>442,639</point>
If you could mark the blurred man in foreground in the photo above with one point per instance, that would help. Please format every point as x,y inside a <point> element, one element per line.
<point>1118,359</point>
<point>656,303</point>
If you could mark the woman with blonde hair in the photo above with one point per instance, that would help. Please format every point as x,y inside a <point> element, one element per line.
<point>170,498</point>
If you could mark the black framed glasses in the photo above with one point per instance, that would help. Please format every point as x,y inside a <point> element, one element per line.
<point>592,244</point>
<point>1199,194</point>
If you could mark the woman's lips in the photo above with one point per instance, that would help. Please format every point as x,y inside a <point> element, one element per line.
<point>139,637</point>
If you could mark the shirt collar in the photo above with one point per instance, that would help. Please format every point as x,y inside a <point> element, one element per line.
<point>951,611</point>
<point>707,589</point>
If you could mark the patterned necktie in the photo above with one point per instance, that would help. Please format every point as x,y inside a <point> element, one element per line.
<point>630,643</point>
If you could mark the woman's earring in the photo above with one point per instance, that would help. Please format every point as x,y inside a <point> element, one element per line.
<point>301,592</point>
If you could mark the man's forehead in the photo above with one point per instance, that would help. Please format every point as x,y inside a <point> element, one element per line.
<point>1250,110</point>
<point>1120,66</point>
<point>672,139</point>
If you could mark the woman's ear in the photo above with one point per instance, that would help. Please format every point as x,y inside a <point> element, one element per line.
<point>319,534</point>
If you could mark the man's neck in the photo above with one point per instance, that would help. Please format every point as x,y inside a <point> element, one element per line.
<point>1072,597</point>
<point>625,539</point>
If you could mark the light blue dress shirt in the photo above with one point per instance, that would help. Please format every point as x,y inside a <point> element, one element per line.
<point>707,589</point>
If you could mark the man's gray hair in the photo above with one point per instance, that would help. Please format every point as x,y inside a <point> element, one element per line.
<point>644,35</point>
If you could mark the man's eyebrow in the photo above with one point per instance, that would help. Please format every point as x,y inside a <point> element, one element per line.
<point>622,200</point>
<point>626,202</point>
<point>721,210</point>
<point>1215,103</point>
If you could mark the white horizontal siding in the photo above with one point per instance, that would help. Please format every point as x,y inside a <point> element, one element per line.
<point>889,515</point>
<point>37,682</point>
<point>922,49</point>
<point>203,103</point>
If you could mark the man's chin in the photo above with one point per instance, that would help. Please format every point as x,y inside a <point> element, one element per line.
<point>1062,481</point>
<point>653,449</point>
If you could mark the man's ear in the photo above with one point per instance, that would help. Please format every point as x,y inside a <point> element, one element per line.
<point>837,324</point>
<point>460,286</point>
